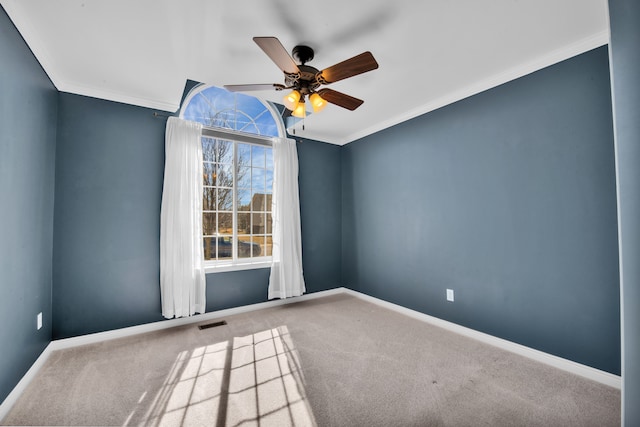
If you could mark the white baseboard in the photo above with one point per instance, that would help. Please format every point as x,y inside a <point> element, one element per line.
<point>594,374</point>
<point>555,361</point>
<point>12,398</point>
<point>171,323</point>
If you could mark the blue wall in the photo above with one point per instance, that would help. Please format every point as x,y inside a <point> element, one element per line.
<point>625,69</point>
<point>506,197</point>
<point>109,170</point>
<point>28,110</point>
<point>110,162</point>
<point>320,182</point>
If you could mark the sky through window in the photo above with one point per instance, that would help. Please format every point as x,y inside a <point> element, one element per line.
<point>216,107</point>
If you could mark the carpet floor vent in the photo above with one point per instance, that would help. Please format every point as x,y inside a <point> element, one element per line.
<point>212,325</point>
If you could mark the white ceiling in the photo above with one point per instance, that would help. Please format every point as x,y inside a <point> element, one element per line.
<point>431,52</point>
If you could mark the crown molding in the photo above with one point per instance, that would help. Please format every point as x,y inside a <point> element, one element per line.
<point>520,70</point>
<point>101,93</point>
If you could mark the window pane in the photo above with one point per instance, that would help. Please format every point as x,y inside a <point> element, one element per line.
<point>268,246</point>
<point>244,154</point>
<point>208,199</point>
<point>244,246</point>
<point>225,223</point>
<point>244,223</point>
<point>257,201</point>
<point>225,176</point>
<point>267,201</point>
<point>244,177</point>
<point>269,155</point>
<point>209,244</point>
<point>225,199</point>
<point>258,223</point>
<point>225,247</point>
<point>269,181</point>
<point>209,174</point>
<point>258,247</point>
<point>269,224</point>
<point>224,152</point>
<point>208,149</point>
<point>257,180</point>
<point>244,200</point>
<point>258,156</point>
<point>209,224</point>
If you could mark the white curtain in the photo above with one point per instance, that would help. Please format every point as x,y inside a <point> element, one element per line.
<point>182,279</point>
<point>286,279</point>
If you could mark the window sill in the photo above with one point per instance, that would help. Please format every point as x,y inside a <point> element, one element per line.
<point>221,268</point>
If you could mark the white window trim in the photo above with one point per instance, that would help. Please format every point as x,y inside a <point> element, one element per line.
<point>233,135</point>
<point>224,266</point>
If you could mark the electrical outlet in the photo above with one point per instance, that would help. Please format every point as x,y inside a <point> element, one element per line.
<point>39,320</point>
<point>449,294</point>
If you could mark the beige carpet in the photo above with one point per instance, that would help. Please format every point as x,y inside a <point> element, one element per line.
<point>333,361</point>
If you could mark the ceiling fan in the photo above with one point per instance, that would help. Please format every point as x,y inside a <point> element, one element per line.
<point>306,80</point>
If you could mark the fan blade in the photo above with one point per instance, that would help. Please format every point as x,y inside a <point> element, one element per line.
<point>340,99</point>
<point>278,54</point>
<point>247,88</point>
<point>351,67</point>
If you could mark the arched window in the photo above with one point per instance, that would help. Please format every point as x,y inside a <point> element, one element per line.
<point>218,108</point>
<point>237,175</point>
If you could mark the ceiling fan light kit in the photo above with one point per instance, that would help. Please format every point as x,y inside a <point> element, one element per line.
<point>300,111</point>
<point>291,100</point>
<point>305,80</point>
<point>317,102</point>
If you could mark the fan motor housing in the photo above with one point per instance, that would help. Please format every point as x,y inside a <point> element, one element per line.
<point>305,82</point>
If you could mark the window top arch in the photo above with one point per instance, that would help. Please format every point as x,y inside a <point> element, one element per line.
<point>216,107</point>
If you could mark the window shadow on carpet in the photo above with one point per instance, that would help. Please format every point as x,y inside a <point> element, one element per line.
<point>255,380</point>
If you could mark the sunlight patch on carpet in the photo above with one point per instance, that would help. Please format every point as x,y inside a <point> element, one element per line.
<point>253,380</point>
